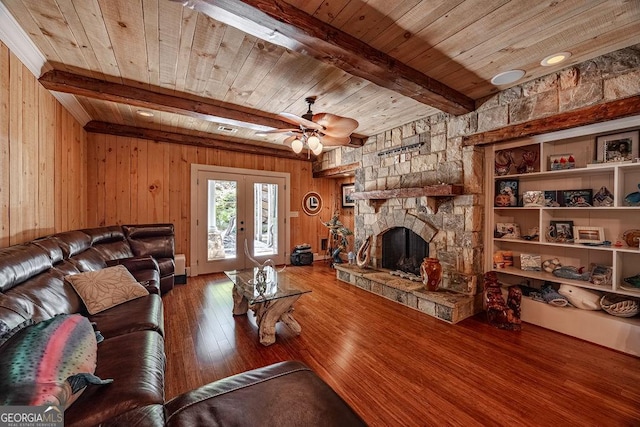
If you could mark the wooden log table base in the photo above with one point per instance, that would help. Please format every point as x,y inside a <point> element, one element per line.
<point>268,314</point>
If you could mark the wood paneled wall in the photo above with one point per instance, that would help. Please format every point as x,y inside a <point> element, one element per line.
<point>42,159</point>
<point>134,180</point>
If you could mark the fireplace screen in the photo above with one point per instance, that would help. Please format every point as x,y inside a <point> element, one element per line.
<point>402,249</point>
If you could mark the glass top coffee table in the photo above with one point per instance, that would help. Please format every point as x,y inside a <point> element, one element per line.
<point>271,298</point>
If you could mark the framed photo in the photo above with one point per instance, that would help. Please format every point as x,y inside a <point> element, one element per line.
<point>507,192</point>
<point>561,161</point>
<point>589,235</point>
<point>577,198</point>
<point>551,198</point>
<point>561,231</point>
<point>347,201</point>
<point>312,203</point>
<point>619,147</point>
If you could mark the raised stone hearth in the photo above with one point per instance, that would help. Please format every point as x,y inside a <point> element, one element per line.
<point>445,305</point>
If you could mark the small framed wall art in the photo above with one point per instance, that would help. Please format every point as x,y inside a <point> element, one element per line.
<point>588,235</point>
<point>619,147</point>
<point>561,231</point>
<point>347,201</point>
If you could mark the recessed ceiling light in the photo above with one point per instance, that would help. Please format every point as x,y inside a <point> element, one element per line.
<point>555,59</point>
<point>144,113</point>
<point>507,77</point>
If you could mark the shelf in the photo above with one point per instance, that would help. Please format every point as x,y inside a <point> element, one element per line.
<point>626,249</point>
<point>600,170</point>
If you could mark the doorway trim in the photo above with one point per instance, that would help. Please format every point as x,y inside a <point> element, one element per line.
<point>196,168</point>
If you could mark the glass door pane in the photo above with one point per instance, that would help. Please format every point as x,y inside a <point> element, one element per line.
<point>265,226</point>
<point>222,219</point>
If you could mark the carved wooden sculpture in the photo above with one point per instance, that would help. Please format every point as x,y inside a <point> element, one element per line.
<point>501,314</point>
<point>364,253</point>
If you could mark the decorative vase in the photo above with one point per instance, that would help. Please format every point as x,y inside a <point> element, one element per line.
<point>431,272</point>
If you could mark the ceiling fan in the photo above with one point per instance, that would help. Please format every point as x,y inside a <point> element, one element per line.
<point>316,131</point>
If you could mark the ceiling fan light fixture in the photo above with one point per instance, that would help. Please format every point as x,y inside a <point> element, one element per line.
<point>507,77</point>
<point>317,150</point>
<point>296,146</point>
<point>313,142</point>
<point>555,59</point>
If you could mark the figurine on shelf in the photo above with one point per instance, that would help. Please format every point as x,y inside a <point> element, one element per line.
<point>501,314</point>
<point>633,199</point>
<point>528,159</point>
<point>603,198</point>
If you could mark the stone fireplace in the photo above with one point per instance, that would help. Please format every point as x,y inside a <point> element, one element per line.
<point>393,167</point>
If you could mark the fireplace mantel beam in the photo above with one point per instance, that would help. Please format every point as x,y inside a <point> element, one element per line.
<point>433,193</point>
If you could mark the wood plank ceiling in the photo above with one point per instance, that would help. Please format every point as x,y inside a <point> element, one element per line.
<point>410,53</point>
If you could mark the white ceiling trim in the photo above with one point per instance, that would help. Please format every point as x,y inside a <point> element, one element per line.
<point>22,47</point>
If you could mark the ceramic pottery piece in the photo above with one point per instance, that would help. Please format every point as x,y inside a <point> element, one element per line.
<point>431,272</point>
<point>603,198</point>
<point>633,199</point>
<point>632,238</point>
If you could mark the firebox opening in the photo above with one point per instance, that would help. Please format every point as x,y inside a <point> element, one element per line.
<point>404,250</point>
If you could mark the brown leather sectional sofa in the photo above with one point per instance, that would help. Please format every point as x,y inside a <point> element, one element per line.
<point>32,287</point>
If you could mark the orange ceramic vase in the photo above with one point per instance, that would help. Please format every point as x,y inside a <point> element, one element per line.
<point>431,272</point>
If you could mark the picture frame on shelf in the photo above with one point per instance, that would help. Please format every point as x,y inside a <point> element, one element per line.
<point>551,198</point>
<point>588,235</point>
<point>347,201</point>
<point>507,230</point>
<point>561,231</point>
<point>506,193</point>
<point>617,147</point>
<point>561,162</point>
<point>577,198</point>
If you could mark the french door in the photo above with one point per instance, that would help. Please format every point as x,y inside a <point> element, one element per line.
<point>237,212</point>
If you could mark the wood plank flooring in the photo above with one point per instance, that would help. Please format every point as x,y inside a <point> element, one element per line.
<point>398,367</point>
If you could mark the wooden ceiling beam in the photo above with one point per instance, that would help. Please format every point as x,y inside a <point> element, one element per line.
<point>581,117</point>
<point>200,141</point>
<point>180,103</point>
<point>338,171</point>
<point>280,23</point>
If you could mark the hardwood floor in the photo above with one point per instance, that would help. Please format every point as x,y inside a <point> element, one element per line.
<point>398,367</point>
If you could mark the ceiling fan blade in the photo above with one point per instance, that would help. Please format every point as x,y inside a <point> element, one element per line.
<point>329,140</point>
<point>335,125</point>
<point>268,132</point>
<point>292,118</point>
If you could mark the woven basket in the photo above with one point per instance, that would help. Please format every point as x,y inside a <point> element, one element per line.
<point>618,305</point>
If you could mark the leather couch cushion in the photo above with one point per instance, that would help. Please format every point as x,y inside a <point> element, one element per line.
<point>72,242</point>
<point>19,263</point>
<point>145,416</point>
<point>286,393</point>
<point>114,250</point>
<point>167,266</point>
<point>51,247</point>
<point>137,381</point>
<point>156,240</point>
<point>44,296</point>
<point>112,233</point>
<point>89,260</point>
<point>141,314</point>
<point>106,288</point>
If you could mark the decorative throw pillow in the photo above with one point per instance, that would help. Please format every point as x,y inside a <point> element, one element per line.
<point>106,288</point>
<point>49,363</point>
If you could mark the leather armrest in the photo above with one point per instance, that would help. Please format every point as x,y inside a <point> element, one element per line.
<point>136,263</point>
<point>285,393</point>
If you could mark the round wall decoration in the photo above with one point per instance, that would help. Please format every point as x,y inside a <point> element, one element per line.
<point>312,203</point>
